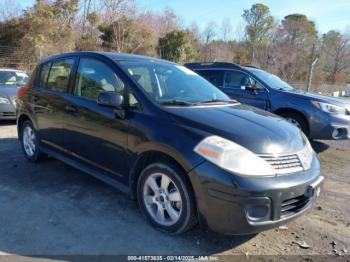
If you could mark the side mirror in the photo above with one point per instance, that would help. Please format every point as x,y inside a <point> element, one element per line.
<point>252,88</point>
<point>110,99</point>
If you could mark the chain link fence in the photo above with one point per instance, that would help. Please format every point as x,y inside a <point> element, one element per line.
<point>13,57</point>
<point>326,89</point>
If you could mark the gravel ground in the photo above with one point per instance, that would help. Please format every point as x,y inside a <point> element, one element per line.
<point>51,209</point>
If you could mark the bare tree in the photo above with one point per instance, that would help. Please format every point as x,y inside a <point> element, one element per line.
<point>336,48</point>
<point>87,4</point>
<point>9,9</point>
<point>226,29</point>
<point>114,9</point>
<point>210,32</point>
<point>239,34</point>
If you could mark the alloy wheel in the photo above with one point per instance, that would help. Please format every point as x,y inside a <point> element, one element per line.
<point>29,141</point>
<point>162,199</point>
<point>294,122</point>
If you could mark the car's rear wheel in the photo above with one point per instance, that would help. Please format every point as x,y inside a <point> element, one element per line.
<point>166,199</point>
<point>29,142</point>
<point>297,120</point>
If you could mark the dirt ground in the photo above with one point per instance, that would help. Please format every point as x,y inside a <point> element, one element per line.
<point>51,209</point>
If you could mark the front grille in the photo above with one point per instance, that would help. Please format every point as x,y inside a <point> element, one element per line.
<point>284,164</point>
<point>293,205</point>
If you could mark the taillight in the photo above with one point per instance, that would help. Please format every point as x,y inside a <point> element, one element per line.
<point>22,91</point>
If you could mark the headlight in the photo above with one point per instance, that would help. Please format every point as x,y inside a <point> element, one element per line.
<point>4,100</point>
<point>329,108</point>
<point>233,157</point>
<point>306,155</point>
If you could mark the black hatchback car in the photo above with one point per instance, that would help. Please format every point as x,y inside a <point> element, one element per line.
<point>169,138</point>
<point>319,116</point>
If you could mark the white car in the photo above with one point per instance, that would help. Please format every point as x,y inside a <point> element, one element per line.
<point>347,91</point>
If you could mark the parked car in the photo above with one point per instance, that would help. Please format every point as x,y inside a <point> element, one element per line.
<point>169,138</point>
<point>10,81</point>
<point>318,116</point>
<point>347,91</point>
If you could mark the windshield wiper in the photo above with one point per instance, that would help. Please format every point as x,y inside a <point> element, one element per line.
<point>176,103</point>
<point>217,101</point>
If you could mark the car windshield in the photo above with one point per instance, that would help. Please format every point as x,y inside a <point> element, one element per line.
<point>167,83</point>
<point>13,78</point>
<point>271,80</point>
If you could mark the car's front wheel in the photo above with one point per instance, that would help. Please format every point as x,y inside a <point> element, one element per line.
<point>30,142</point>
<point>297,120</point>
<point>166,198</point>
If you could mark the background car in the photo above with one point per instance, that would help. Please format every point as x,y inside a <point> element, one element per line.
<point>318,116</point>
<point>10,81</point>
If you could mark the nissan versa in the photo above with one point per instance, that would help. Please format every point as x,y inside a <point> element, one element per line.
<point>320,117</point>
<point>169,138</point>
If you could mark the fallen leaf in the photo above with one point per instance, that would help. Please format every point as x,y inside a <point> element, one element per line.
<point>302,244</point>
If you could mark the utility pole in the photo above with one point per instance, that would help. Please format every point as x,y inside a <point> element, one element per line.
<point>311,66</point>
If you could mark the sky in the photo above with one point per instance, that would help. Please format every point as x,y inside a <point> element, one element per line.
<point>326,14</point>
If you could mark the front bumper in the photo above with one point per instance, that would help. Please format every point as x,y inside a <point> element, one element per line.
<point>7,111</point>
<point>329,127</point>
<point>232,204</point>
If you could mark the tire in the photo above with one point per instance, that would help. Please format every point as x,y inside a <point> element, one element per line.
<point>167,199</point>
<point>297,120</point>
<point>30,142</point>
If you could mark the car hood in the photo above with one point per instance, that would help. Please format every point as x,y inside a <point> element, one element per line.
<point>259,131</point>
<point>322,98</point>
<point>8,91</point>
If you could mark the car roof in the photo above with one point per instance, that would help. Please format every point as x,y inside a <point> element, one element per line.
<point>213,65</point>
<point>110,55</point>
<point>12,70</point>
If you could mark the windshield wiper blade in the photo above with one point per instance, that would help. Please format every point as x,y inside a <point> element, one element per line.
<point>176,103</point>
<point>218,101</point>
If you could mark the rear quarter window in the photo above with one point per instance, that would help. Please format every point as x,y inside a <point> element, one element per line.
<point>59,75</point>
<point>44,73</point>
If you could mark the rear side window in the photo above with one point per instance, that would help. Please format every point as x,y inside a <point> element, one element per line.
<point>215,77</point>
<point>59,75</point>
<point>94,76</point>
<point>44,73</point>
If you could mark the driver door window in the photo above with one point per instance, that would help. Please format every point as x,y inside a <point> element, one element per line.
<point>235,80</point>
<point>93,77</point>
<point>239,80</point>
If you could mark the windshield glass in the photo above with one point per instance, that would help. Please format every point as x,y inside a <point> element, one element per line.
<point>13,78</point>
<point>271,80</point>
<point>167,83</point>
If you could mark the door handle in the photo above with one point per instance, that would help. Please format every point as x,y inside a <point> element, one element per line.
<point>70,109</point>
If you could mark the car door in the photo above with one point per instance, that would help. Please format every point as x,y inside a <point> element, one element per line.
<point>236,86</point>
<point>93,133</point>
<point>49,100</point>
